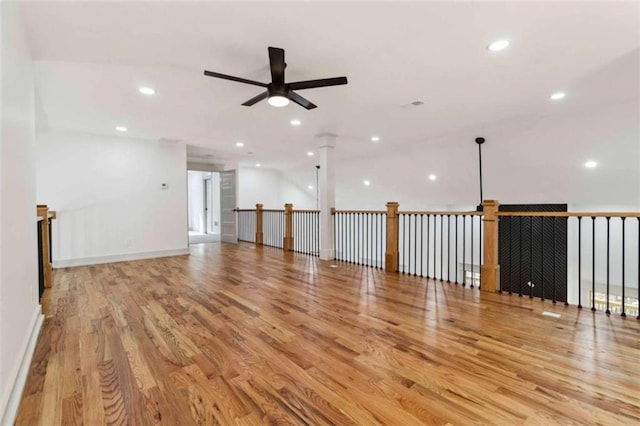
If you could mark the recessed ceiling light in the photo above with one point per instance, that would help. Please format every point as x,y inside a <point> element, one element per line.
<point>366,183</point>
<point>591,164</point>
<point>146,91</point>
<point>239,144</point>
<point>310,153</point>
<point>558,95</point>
<point>498,45</point>
<point>258,164</point>
<point>375,138</point>
<point>310,186</point>
<point>295,122</point>
<point>121,128</point>
<point>433,177</point>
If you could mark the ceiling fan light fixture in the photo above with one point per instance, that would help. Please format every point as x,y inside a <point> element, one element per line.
<point>278,101</point>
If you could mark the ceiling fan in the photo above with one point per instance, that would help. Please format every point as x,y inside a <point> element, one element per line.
<point>279,92</point>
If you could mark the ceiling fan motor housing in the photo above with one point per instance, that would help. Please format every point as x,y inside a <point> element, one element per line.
<point>278,90</point>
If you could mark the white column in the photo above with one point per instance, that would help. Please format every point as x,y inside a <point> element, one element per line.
<point>327,143</point>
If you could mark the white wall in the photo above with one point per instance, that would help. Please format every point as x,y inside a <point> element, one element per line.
<point>272,189</point>
<point>107,192</point>
<point>534,159</point>
<point>20,316</point>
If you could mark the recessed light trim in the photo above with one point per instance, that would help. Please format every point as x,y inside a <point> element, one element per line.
<point>239,144</point>
<point>310,187</point>
<point>149,91</point>
<point>366,183</point>
<point>498,45</point>
<point>121,128</point>
<point>375,138</point>
<point>295,122</point>
<point>558,95</point>
<point>310,153</point>
<point>591,164</point>
<point>258,165</point>
<point>433,177</point>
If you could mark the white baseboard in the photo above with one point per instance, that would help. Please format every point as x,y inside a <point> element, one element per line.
<point>68,263</point>
<point>18,377</point>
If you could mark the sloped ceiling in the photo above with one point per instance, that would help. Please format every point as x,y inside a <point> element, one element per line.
<point>91,58</point>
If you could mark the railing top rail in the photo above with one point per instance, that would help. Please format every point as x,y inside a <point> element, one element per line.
<point>273,210</point>
<point>569,214</point>
<point>245,210</point>
<point>306,211</point>
<point>361,211</point>
<point>443,213</point>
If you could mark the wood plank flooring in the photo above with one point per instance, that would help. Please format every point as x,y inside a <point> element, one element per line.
<point>240,335</point>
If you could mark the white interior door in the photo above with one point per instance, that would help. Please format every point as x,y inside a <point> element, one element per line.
<point>228,206</point>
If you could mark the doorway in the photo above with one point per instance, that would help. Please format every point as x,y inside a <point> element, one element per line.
<point>204,206</point>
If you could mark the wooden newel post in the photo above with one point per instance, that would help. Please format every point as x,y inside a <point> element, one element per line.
<point>259,234</point>
<point>391,254</point>
<point>287,244</point>
<point>490,270</point>
<point>43,212</point>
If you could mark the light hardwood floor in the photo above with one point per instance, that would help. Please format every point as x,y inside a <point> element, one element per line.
<point>240,335</point>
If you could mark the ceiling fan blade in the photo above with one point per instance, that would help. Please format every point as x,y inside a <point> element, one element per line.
<point>276,60</point>
<point>232,78</point>
<point>310,84</point>
<point>301,101</point>
<point>256,99</point>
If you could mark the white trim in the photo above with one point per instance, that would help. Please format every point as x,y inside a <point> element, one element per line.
<point>19,376</point>
<point>68,263</point>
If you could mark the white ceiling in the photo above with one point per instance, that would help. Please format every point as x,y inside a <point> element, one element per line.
<point>92,57</point>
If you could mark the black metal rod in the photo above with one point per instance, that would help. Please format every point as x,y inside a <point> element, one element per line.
<point>435,227</point>
<point>593,263</point>
<point>480,251</point>
<point>579,262</point>
<point>342,234</point>
<point>464,250</point>
<point>456,264</point>
<point>421,243</point>
<point>415,245</point>
<point>472,268</point>
<point>441,247</point>
<point>553,262</point>
<point>371,239</point>
<point>50,234</point>
<point>623,313</point>
<point>427,256</point>
<point>608,260</point>
<point>479,141</point>
<point>448,248</point>
<point>510,221</point>
<point>377,239</point>
<point>354,238</point>
<point>337,232</point>
<point>542,257</point>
